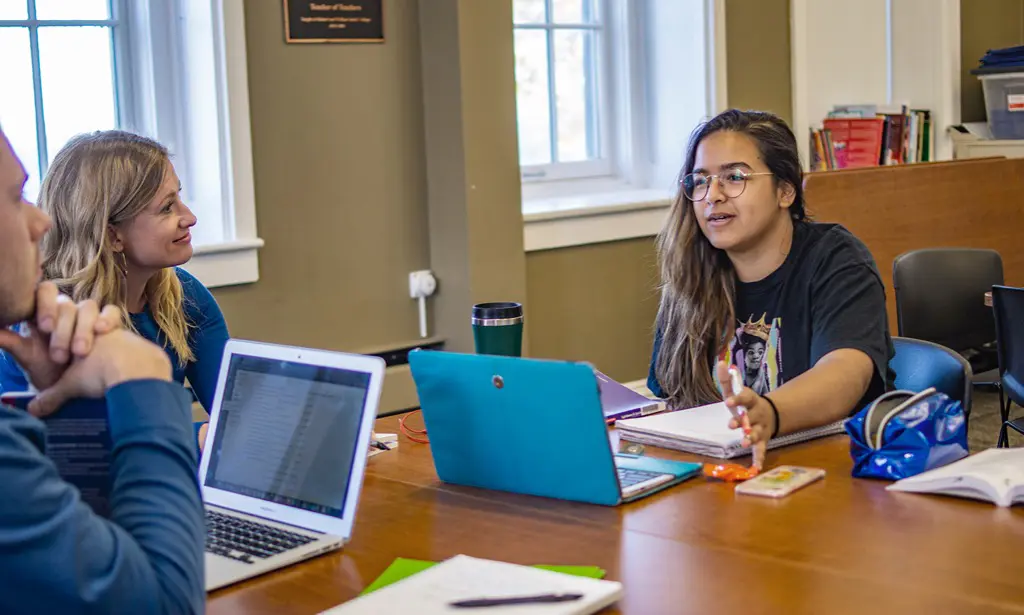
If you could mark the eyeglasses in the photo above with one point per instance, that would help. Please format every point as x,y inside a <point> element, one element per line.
<point>731,182</point>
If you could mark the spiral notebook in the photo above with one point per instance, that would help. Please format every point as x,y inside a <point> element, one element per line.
<point>704,430</point>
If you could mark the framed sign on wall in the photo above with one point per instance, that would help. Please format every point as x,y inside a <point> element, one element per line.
<point>354,21</point>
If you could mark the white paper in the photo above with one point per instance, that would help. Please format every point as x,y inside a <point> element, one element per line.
<point>990,475</point>
<point>704,430</point>
<point>463,577</point>
<point>703,424</point>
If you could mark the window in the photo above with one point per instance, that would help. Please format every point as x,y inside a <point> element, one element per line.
<point>563,127</point>
<point>58,75</point>
<point>608,92</point>
<point>173,70</point>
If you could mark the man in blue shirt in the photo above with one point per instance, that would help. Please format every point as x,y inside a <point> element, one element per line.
<point>56,554</point>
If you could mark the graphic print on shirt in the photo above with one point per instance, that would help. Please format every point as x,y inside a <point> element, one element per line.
<point>756,349</point>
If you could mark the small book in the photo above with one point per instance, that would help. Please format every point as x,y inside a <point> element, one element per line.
<point>462,578</point>
<point>78,442</point>
<point>995,475</point>
<point>621,402</point>
<point>704,430</point>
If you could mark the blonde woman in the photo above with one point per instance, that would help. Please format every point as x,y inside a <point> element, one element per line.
<point>798,307</point>
<point>120,231</point>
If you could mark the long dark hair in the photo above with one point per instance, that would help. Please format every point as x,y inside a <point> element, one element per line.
<point>698,286</point>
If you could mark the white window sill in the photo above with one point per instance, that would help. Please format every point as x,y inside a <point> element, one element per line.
<point>226,264</point>
<point>561,222</point>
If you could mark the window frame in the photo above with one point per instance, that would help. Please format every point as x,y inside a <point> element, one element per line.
<point>189,88</point>
<point>624,102</point>
<point>603,164</point>
<point>632,203</point>
<point>32,24</point>
<point>180,77</point>
<point>235,259</point>
<point>171,44</point>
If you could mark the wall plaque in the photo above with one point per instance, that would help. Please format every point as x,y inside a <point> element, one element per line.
<point>355,21</point>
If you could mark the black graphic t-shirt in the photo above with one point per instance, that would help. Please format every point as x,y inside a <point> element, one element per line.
<point>827,295</point>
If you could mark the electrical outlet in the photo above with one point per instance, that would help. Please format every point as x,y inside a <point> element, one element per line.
<point>422,284</point>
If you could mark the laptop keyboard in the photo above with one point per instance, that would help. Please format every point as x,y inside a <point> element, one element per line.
<point>245,541</point>
<point>628,478</point>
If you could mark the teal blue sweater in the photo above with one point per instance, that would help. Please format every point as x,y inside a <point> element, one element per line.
<point>57,556</point>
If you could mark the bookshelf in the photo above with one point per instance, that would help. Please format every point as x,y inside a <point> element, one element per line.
<point>887,52</point>
<point>858,136</point>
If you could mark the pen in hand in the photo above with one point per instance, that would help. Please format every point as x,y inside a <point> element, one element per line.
<point>740,414</point>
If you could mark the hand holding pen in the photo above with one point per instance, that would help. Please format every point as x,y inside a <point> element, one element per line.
<point>749,410</point>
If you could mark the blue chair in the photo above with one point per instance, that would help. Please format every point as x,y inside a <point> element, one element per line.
<point>919,364</point>
<point>1008,305</point>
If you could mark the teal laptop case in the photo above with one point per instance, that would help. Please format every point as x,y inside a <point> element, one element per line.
<point>527,426</point>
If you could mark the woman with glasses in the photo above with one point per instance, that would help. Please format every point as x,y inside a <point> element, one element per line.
<point>797,307</point>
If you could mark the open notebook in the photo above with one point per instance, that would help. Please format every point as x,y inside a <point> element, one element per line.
<point>704,430</point>
<point>995,475</point>
<point>463,578</point>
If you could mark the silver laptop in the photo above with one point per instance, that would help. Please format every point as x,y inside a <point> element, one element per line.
<point>285,456</point>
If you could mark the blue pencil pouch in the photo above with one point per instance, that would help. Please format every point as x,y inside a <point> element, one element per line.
<point>902,433</point>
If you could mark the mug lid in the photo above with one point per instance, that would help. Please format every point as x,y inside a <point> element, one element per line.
<point>497,310</point>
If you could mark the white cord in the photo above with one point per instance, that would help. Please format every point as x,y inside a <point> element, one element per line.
<point>423,316</point>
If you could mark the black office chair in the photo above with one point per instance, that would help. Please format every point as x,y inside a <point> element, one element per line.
<point>1008,305</point>
<point>920,364</point>
<point>940,297</point>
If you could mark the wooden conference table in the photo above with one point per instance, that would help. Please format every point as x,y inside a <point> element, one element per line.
<point>842,545</point>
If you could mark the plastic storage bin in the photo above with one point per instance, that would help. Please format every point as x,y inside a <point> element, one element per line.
<point>1004,102</point>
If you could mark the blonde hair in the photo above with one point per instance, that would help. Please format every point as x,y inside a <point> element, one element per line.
<point>95,181</point>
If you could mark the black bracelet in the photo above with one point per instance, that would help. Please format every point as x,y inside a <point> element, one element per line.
<point>775,411</point>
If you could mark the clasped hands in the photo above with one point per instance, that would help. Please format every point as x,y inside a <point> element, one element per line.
<point>74,349</point>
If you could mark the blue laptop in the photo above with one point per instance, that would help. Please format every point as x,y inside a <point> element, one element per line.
<point>529,426</point>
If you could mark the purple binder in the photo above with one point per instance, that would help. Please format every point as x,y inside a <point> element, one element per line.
<point>621,402</point>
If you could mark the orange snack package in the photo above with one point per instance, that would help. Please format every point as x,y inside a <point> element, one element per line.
<point>730,472</point>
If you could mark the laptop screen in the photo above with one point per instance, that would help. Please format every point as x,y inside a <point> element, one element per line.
<point>287,432</point>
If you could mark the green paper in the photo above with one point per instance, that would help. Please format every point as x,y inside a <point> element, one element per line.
<point>398,570</point>
<point>402,568</point>
<point>591,572</point>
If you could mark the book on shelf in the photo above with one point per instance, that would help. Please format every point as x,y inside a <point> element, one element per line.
<point>855,136</point>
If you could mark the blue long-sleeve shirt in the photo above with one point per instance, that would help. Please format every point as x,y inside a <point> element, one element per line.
<point>57,556</point>
<point>207,338</point>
